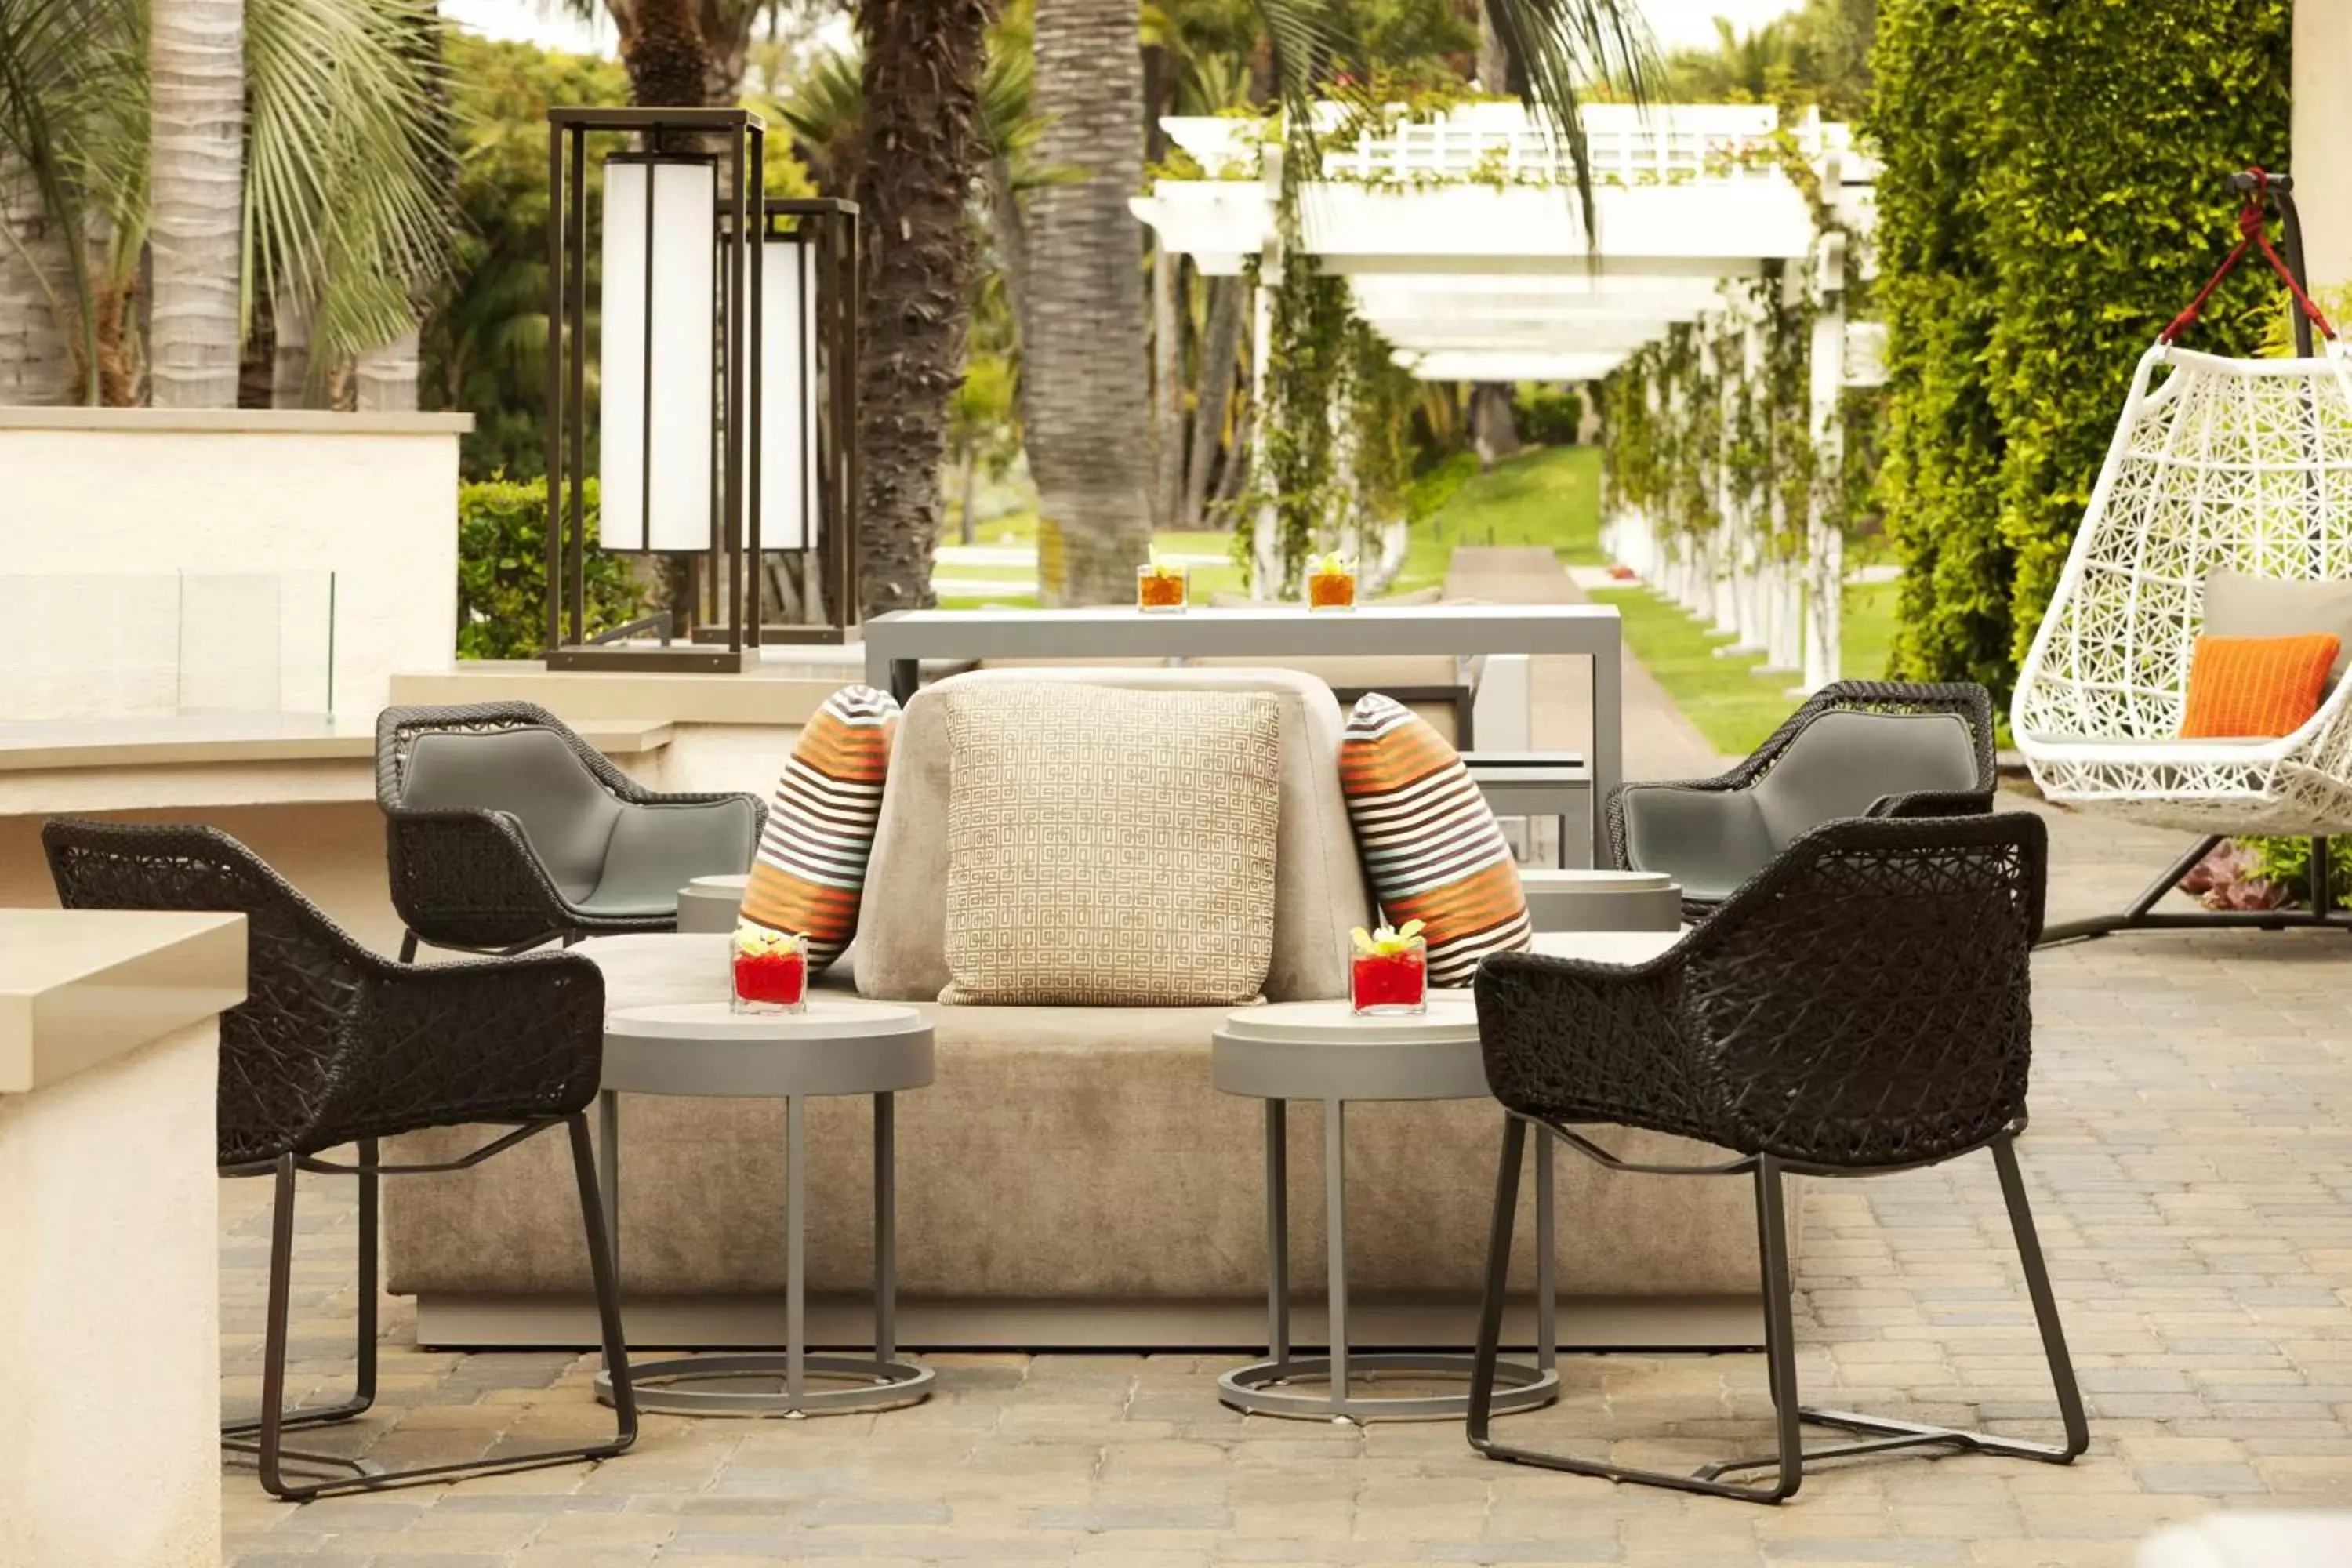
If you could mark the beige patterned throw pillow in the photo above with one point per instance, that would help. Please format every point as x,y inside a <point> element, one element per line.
<point>1109,847</point>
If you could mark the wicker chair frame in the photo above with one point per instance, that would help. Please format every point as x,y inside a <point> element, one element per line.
<point>469,879</point>
<point>1972,703</point>
<point>333,1046</point>
<point>1861,1006</point>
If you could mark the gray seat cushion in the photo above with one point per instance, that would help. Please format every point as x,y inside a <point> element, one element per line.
<point>1710,840</point>
<point>1842,762</point>
<point>567,815</point>
<point>657,849</point>
<point>1839,765</point>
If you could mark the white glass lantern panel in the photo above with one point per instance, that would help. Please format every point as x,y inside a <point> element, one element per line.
<point>657,357</point>
<point>789,327</point>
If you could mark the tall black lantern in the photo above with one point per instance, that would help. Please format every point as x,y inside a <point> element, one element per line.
<point>726,373</point>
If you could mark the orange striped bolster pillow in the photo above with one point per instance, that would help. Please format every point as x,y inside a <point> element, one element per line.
<point>2256,688</point>
<point>811,872</point>
<point>1428,845</point>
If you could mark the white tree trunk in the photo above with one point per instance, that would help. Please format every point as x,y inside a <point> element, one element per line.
<point>290,370</point>
<point>1167,384</point>
<point>386,378</point>
<point>35,364</point>
<point>196,110</point>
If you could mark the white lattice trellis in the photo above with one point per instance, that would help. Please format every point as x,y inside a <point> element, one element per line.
<point>2235,463</point>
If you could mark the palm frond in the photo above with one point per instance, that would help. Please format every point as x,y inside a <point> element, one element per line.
<point>346,194</point>
<point>72,78</point>
<point>1561,46</point>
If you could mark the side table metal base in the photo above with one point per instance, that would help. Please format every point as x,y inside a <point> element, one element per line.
<point>664,1387</point>
<point>1257,1388</point>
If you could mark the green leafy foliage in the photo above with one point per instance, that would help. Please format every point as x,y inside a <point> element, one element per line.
<point>485,348</point>
<point>2052,192</point>
<point>502,570</point>
<point>1547,415</point>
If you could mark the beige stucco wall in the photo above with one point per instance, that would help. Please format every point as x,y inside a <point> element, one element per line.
<point>238,501</point>
<point>109,1315</point>
<point>2323,137</point>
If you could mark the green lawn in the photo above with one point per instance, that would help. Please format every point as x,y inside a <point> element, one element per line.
<point>1733,706</point>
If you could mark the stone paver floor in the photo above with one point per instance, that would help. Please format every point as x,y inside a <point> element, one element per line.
<point>2190,1162</point>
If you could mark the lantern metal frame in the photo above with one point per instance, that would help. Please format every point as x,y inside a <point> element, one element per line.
<point>728,575</point>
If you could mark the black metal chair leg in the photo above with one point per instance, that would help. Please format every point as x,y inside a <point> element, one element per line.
<point>608,1313</point>
<point>1498,1278</point>
<point>363,1398</point>
<point>408,947</point>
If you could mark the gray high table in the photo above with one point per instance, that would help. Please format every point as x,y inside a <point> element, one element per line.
<point>895,643</point>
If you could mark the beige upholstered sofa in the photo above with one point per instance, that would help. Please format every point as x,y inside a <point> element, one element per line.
<point>1070,1178</point>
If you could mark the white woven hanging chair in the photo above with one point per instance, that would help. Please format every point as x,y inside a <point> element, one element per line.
<point>2226,463</point>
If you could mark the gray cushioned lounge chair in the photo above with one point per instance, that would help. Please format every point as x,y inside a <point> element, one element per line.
<point>505,829</point>
<point>1854,749</point>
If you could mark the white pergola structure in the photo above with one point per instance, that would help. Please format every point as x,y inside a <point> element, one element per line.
<point>1465,246</point>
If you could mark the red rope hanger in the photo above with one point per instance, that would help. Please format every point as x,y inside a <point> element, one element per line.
<point>2253,229</point>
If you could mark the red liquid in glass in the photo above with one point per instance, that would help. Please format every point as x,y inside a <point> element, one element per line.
<point>781,978</point>
<point>1391,979</point>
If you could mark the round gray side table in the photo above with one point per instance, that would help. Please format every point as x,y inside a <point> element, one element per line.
<point>1583,901</point>
<point>711,903</point>
<point>834,1047</point>
<point>1322,1050</point>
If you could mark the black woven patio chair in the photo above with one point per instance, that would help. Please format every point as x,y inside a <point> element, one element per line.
<point>1861,1007</point>
<point>335,1046</point>
<point>505,830</point>
<point>1712,833</point>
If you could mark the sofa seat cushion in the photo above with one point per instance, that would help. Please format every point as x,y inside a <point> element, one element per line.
<point>1109,847</point>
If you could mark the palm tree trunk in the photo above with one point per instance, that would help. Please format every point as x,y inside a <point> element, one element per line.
<point>386,377</point>
<point>1219,345</point>
<point>1493,431</point>
<point>1168,385</point>
<point>1083,378</point>
<point>665,55</point>
<point>290,385</point>
<point>196,174</point>
<point>36,362</point>
<point>920,155</point>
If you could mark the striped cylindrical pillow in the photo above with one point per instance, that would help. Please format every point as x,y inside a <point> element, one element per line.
<point>811,871</point>
<point>1429,843</point>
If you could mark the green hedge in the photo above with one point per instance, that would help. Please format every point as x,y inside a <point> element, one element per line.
<point>2052,193</point>
<point>502,571</point>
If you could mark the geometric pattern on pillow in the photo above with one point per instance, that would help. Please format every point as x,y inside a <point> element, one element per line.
<point>811,871</point>
<point>1428,840</point>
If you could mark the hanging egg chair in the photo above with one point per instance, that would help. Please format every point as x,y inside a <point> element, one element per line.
<point>2225,475</point>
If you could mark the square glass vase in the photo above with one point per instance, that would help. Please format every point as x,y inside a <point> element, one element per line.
<point>1389,985</point>
<point>770,980</point>
<point>1163,590</point>
<point>1331,590</point>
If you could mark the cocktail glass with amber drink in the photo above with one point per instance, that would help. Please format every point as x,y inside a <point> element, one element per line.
<point>1388,974</point>
<point>1163,588</point>
<point>769,968</point>
<point>1331,584</point>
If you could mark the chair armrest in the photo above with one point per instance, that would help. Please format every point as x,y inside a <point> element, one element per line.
<point>1567,1040</point>
<point>1933,802</point>
<point>469,878</point>
<point>1620,806</point>
<point>439,1045</point>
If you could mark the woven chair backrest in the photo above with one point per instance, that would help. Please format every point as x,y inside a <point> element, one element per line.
<point>304,976</point>
<point>1867,1001</point>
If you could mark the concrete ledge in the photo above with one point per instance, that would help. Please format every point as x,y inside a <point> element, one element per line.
<point>240,738</point>
<point>247,421</point>
<point>581,697</point>
<point>79,987</point>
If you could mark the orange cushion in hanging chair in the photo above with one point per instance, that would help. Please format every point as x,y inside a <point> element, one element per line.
<point>2255,688</point>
